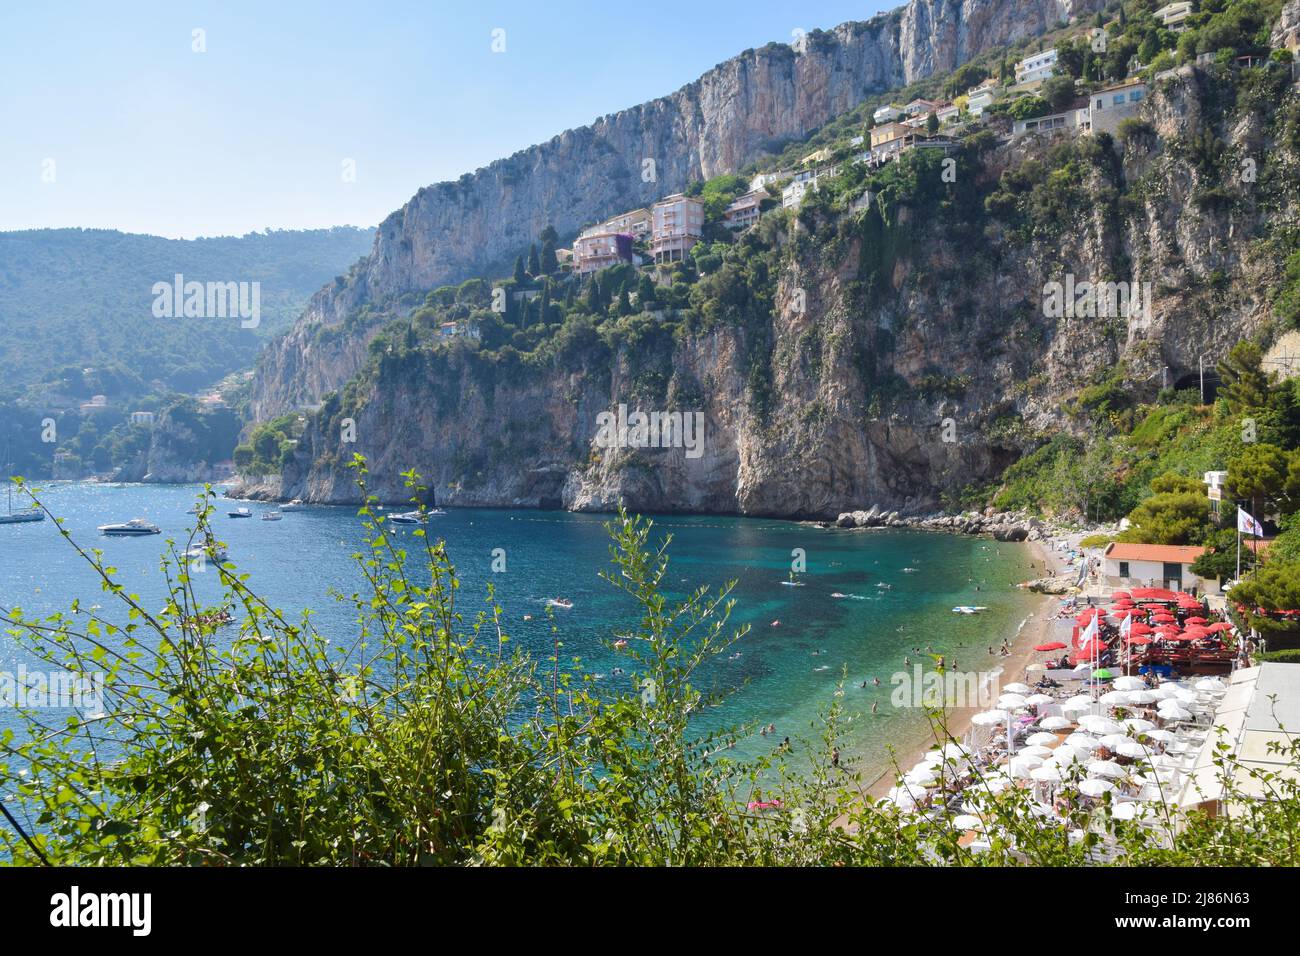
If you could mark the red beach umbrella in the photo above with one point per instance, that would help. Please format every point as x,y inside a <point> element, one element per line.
<point>1139,639</point>
<point>1196,620</point>
<point>1052,646</point>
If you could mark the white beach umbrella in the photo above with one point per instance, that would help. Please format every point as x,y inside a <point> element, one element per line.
<point>1129,683</point>
<point>1106,770</point>
<point>967,821</point>
<point>921,778</point>
<point>1017,688</point>
<point>1132,810</point>
<point>1065,755</point>
<point>1082,699</point>
<point>1082,741</point>
<point>1131,748</point>
<point>1011,701</point>
<point>1136,725</point>
<point>1115,698</point>
<point>1038,700</point>
<point>1175,713</point>
<point>1141,697</point>
<point>992,785</point>
<point>1103,727</point>
<point>1037,750</point>
<point>952,751</point>
<point>1023,766</point>
<point>901,798</point>
<point>1054,723</point>
<point>1095,788</point>
<point>1187,696</point>
<point>1165,691</point>
<point>1111,741</point>
<point>990,718</point>
<point>1048,774</point>
<point>1211,684</point>
<point>1041,739</point>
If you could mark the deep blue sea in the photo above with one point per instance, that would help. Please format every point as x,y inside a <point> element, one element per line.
<point>784,675</point>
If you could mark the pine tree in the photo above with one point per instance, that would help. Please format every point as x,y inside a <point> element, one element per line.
<point>645,293</point>
<point>1245,385</point>
<point>549,235</point>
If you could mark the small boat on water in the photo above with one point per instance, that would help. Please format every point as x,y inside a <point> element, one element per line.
<point>199,552</point>
<point>296,505</point>
<point>272,516</point>
<point>560,602</point>
<point>884,587</point>
<point>136,527</point>
<point>241,513</point>
<point>22,515</point>
<point>968,609</point>
<point>407,517</point>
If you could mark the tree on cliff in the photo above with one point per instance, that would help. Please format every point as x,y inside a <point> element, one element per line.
<point>521,276</point>
<point>534,263</point>
<point>549,262</point>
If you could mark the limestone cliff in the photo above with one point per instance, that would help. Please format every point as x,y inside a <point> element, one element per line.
<point>735,113</point>
<point>905,352</point>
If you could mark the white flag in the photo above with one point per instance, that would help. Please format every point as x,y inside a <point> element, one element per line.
<point>1248,525</point>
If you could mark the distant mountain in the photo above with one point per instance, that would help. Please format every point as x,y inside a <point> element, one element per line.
<point>84,297</point>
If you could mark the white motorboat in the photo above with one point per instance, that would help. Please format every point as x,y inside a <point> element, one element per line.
<point>407,517</point>
<point>296,505</point>
<point>199,553</point>
<point>136,527</point>
<point>272,516</point>
<point>241,513</point>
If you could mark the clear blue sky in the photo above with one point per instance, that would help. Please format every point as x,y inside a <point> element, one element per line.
<point>146,135</point>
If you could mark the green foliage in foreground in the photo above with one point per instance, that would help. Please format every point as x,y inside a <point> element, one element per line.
<point>423,739</point>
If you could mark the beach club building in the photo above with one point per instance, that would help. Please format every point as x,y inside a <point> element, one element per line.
<point>1154,566</point>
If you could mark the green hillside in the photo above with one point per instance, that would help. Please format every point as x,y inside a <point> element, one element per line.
<point>83,298</point>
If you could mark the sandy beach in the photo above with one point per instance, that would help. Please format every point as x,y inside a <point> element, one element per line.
<point>1039,628</point>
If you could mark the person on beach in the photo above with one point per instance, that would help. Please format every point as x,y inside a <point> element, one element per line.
<point>874,707</point>
<point>835,757</point>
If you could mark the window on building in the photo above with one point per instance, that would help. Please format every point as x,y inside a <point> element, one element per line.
<point>1123,569</point>
<point>1117,100</point>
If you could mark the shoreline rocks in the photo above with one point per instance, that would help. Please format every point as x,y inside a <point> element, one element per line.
<point>1012,526</point>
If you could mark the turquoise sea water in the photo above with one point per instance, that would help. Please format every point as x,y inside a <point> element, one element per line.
<point>784,674</point>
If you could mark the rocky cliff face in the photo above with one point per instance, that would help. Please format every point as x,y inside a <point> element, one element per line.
<point>732,115</point>
<point>906,355</point>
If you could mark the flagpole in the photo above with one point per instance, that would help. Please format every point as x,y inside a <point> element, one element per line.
<point>1238,578</point>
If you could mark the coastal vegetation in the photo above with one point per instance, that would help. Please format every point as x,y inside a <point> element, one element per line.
<point>425,738</point>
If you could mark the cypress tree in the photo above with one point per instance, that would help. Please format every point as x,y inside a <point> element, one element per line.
<point>549,262</point>
<point>534,263</point>
<point>520,276</point>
